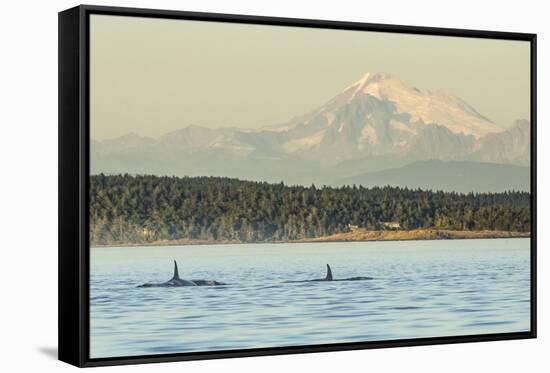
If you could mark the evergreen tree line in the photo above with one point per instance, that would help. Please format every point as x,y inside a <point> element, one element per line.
<point>141,209</point>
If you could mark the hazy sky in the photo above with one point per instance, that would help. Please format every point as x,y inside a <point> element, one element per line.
<point>151,76</point>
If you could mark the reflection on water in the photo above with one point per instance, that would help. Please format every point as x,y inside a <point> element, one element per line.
<point>420,289</point>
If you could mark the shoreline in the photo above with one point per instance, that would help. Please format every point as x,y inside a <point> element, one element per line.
<point>430,234</point>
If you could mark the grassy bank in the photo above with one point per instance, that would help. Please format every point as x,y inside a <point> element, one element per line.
<point>357,235</point>
<point>415,234</point>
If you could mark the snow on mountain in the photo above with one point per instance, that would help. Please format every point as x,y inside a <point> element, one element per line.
<point>429,107</point>
<point>380,115</point>
<point>378,119</point>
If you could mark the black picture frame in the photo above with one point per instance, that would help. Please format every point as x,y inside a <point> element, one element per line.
<point>74,141</point>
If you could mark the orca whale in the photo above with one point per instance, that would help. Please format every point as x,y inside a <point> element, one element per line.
<point>329,277</point>
<point>176,281</point>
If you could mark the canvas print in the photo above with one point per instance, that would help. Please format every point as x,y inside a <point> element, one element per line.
<point>257,186</point>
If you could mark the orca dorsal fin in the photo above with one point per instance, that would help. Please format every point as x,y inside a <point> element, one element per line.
<point>176,274</point>
<point>329,274</point>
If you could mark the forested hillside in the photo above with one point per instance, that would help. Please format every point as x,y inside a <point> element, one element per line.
<point>128,209</point>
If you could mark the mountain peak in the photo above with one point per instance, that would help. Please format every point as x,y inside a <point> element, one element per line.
<point>426,107</point>
<point>378,84</point>
<point>372,76</point>
<point>369,78</point>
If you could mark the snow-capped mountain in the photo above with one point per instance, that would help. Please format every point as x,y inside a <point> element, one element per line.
<point>382,115</point>
<point>426,107</point>
<point>376,123</point>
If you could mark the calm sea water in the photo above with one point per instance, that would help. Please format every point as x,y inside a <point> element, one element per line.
<point>420,289</point>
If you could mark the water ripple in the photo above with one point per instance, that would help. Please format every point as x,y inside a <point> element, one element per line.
<point>421,289</point>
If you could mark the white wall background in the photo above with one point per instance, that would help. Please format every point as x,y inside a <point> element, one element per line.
<point>28,186</point>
